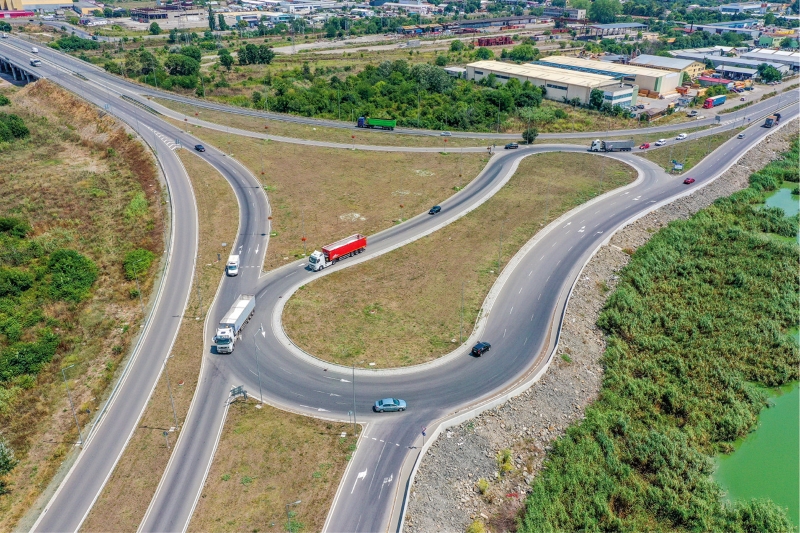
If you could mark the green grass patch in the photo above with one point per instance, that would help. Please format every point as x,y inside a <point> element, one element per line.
<point>698,325</point>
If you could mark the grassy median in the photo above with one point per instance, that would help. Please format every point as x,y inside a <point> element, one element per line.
<point>266,459</point>
<point>380,325</point>
<point>127,494</point>
<point>689,152</point>
<point>326,194</point>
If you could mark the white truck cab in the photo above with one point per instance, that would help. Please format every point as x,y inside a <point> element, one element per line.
<point>232,268</point>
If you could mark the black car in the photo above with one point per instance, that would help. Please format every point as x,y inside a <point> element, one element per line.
<point>480,349</point>
<point>511,146</point>
<point>199,147</point>
<point>435,209</point>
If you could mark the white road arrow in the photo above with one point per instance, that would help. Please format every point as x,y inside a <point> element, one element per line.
<point>582,228</point>
<point>361,475</point>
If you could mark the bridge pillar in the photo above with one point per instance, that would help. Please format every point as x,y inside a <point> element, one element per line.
<point>14,72</point>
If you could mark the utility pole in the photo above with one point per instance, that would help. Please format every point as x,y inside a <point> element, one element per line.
<point>72,405</point>
<point>354,395</point>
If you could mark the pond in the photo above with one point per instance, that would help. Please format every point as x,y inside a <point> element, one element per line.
<point>790,203</point>
<point>766,463</point>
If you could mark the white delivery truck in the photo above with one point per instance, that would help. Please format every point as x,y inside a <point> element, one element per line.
<point>233,323</point>
<point>232,267</point>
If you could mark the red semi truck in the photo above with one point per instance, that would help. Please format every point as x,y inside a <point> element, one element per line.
<point>352,245</point>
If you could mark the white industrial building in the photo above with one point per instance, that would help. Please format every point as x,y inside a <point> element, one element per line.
<point>559,83</point>
<point>768,55</point>
<point>653,80</point>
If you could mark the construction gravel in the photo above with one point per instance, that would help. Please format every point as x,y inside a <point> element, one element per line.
<point>445,496</point>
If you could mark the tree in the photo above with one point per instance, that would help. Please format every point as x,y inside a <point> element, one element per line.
<point>580,4</point>
<point>529,135</point>
<point>769,19</point>
<point>559,3</point>
<point>223,26</point>
<point>155,29</point>
<point>431,78</point>
<point>484,53</point>
<point>789,42</point>
<point>225,58</point>
<point>5,26</point>
<point>212,22</point>
<point>181,65</point>
<point>596,99</point>
<point>523,52</point>
<point>191,51</point>
<point>605,11</point>
<point>769,73</point>
<point>173,36</point>
<point>441,60</point>
<point>456,46</point>
<point>7,463</point>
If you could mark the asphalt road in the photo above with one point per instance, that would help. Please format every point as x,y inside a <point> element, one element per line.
<point>517,326</point>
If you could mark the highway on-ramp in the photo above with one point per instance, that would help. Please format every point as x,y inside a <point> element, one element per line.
<point>519,324</point>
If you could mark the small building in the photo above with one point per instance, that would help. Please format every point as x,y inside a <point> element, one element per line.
<point>621,94</point>
<point>611,30</point>
<point>692,68</point>
<point>735,9</point>
<point>148,14</point>
<point>708,81</point>
<point>655,81</point>
<point>736,73</point>
<point>456,72</point>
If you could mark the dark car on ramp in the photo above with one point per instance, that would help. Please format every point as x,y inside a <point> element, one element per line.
<point>435,209</point>
<point>199,147</point>
<point>480,349</point>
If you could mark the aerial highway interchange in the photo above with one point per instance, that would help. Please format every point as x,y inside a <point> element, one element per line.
<point>520,317</point>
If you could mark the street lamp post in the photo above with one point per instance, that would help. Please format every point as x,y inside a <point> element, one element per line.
<point>354,396</point>
<point>72,405</point>
<point>288,516</point>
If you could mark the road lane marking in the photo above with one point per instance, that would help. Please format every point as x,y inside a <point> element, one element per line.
<point>520,290</point>
<point>504,333</point>
<point>512,310</point>
<point>540,296</point>
<point>361,475</point>
<point>583,228</point>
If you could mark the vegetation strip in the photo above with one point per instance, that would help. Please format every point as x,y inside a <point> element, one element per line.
<point>699,323</point>
<point>266,459</point>
<point>80,237</point>
<point>127,494</point>
<point>459,260</point>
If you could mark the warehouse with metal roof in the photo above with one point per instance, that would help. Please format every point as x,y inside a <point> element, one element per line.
<point>689,66</point>
<point>650,79</point>
<point>558,83</point>
<point>783,57</point>
<point>717,61</point>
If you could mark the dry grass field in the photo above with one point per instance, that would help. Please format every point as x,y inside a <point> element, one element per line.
<point>404,307</point>
<point>83,183</point>
<point>688,152</point>
<point>125,498</point>
<point>267,458</point>
<point>325,194</point>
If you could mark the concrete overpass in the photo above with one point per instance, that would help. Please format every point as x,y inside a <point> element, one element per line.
<point>22,73</point>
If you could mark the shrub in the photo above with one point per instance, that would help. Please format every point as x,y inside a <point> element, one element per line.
<point>4,100</point>
<point>476,527</point>
<point>71,275</point>
<point>483,485</point>
<point>14,226</point>
<point>15,125</point>
<point>137,262</point>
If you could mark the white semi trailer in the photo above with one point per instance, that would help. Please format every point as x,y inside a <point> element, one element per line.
<point>233,322</point>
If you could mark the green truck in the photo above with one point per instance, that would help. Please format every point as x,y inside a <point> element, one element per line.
<point>382,123</point>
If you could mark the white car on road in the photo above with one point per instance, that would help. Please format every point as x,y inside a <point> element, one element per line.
<point>681,137</point>
<point>661,142</point>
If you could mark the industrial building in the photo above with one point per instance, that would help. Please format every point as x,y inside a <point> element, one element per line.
<point>733,9</point>
<point>33,5</point>
<point>649,79</point>
<point>559,83</point>
<point>748,28</point>
<point>736,73</point>
<point>691,67</point>
<point>782,57</point>
<point>717,60</point>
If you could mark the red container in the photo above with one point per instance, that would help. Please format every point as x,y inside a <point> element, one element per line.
<point>351,245</point>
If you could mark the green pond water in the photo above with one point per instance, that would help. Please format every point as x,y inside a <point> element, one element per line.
<point>790,203</point>
<point>766,464</point>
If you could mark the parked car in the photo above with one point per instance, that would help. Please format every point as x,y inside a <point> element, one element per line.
<point>644,146</point>
<point>511,146</point>
<point>681,137</point>
<point>435,209</point>
<point>480,348</point>
<point>661,142</point>
<point>446,134</point>
<point>640,106</point>
<point>742,99</point>
<point>692,113</point>
<point>199,147</point>
<point>688,181</point>
<point>389,404</point>
<point>740,136</point>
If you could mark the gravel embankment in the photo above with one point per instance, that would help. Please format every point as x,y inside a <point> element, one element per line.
<point>444,496</point>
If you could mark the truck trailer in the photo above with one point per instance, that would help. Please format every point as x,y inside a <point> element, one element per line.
<point>714,101</point>
<point>611,146</point>
<point>382,123</point>
<point>352,245</point>
<point>233,322</point>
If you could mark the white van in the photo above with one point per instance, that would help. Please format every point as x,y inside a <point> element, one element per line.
<point>34,50</point>
<point>232,268</point>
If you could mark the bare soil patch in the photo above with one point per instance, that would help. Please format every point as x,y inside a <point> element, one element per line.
<point>73,180</point>
<point>326,194</point>
<point>266,459</point>
<point>127,494</point>
<point>381,326</point>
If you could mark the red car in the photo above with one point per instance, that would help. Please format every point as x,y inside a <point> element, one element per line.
<point>688,181</point>
<point>645,146</point>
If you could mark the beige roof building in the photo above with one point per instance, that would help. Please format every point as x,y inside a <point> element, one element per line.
<point>34,5</point>
<point>674,64</point>
<point>658,81</point>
